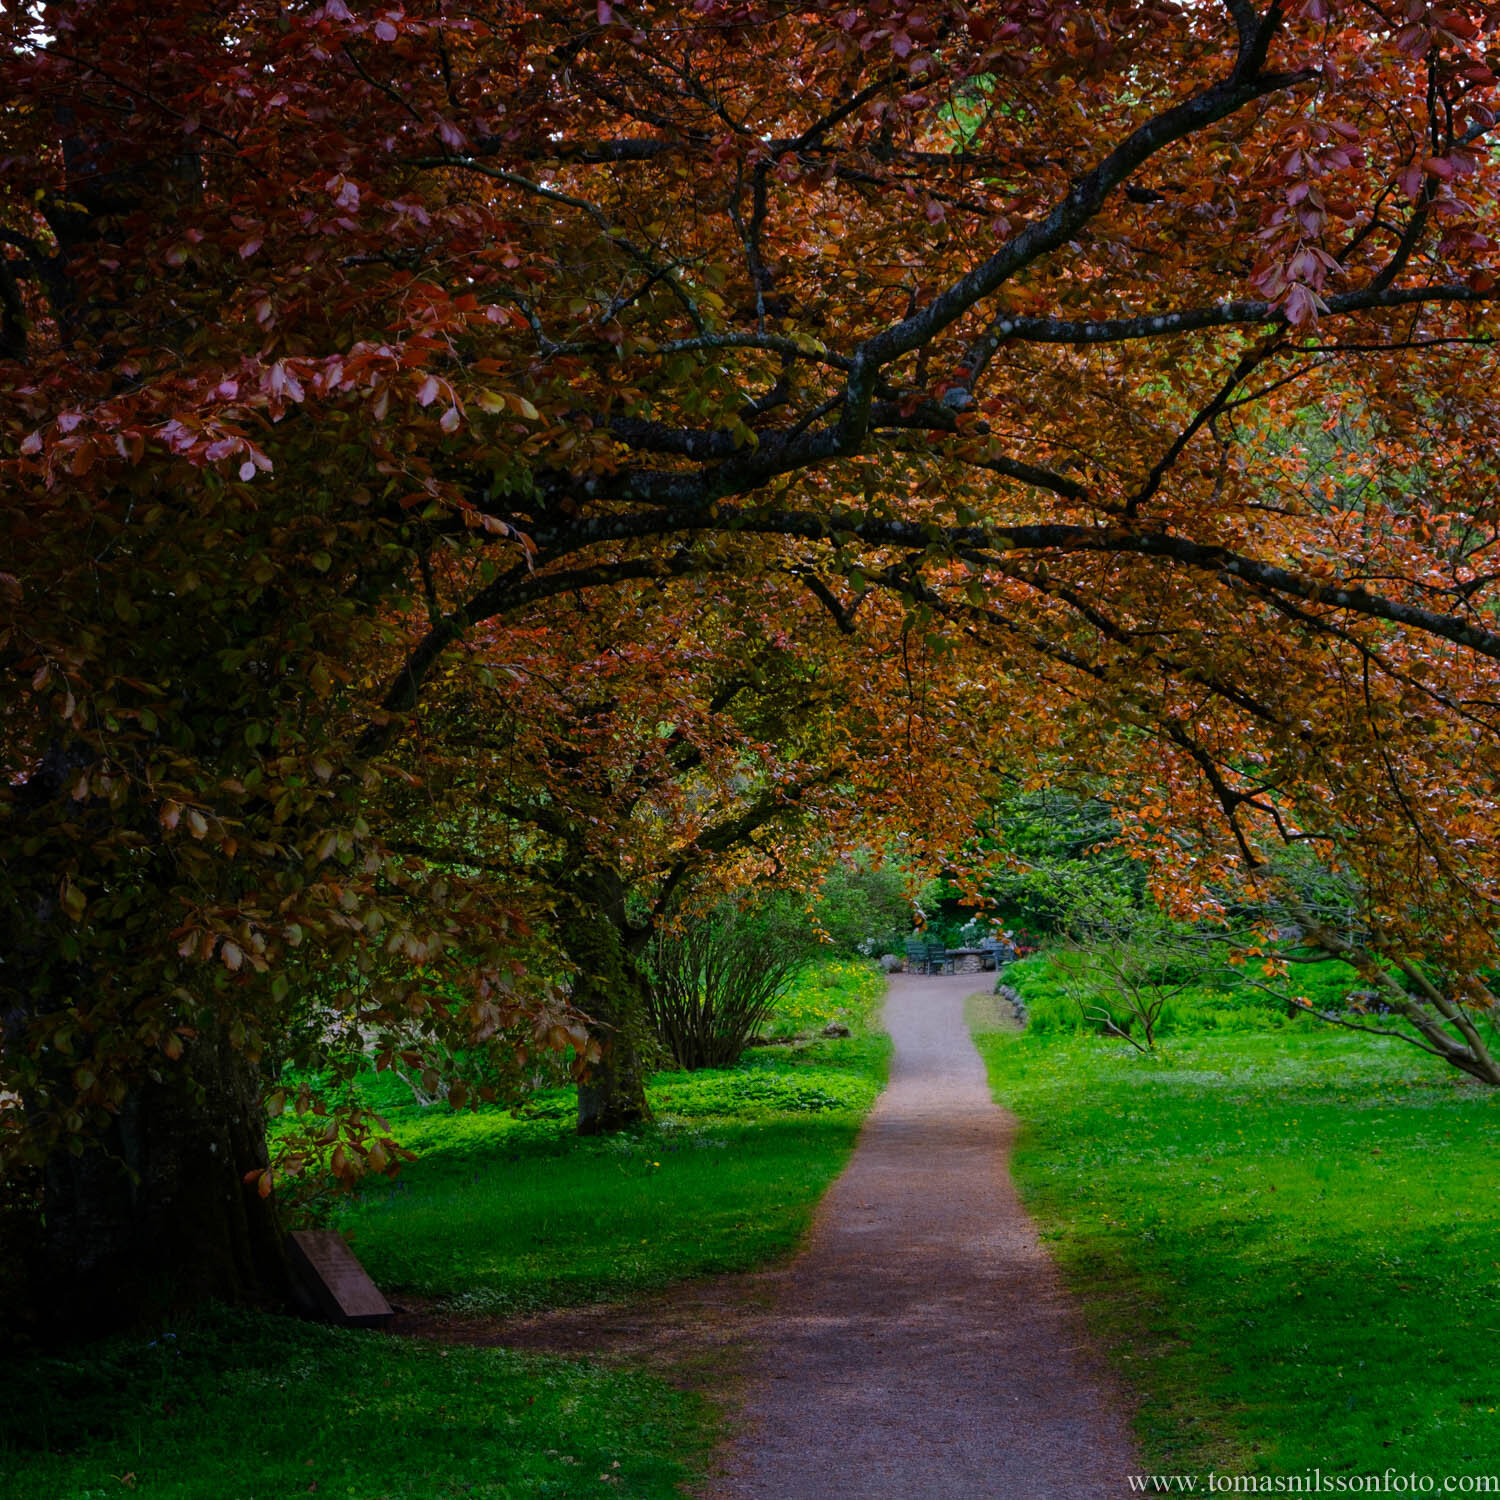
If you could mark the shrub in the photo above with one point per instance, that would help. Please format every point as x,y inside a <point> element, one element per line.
<point>1054,986</point>
<point>863,907</point>
<point>714,984</point>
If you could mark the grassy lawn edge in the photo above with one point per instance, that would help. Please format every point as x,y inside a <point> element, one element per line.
<point>1280,1241</point>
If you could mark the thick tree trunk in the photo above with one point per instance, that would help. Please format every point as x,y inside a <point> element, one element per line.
<point>159,1214</point>
<point>611,991</point>
<point>156,1214</point>
<point>613,1096</point>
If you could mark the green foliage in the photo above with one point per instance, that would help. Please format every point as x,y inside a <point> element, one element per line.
<point>1285,1241</point>
<point>949,922</point>
<point>1051,864</point>
<point>1063,867</point>
<point>254,1406</point>
<point>503,1214</point>
<point>1227,1000</point>
<point>841,990</point>
<point>762,1088</point>
<point>864,907</point>
<point>712,986</point>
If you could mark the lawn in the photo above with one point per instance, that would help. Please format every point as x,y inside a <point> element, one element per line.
<point>507,1215</point>
<point>1285,1238</point>
<point>496,1214</point>
<point>237,1406</point>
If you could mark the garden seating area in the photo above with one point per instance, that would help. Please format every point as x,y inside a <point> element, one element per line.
<point>926,956</point>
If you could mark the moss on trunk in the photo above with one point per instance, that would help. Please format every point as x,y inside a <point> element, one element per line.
<point>610,990</point>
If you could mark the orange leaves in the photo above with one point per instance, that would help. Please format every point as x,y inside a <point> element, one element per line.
<point>442,503</point>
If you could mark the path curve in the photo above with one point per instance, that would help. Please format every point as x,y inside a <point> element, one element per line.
<point>921,1347</point>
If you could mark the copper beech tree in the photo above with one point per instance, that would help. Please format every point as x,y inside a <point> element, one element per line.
<point>1140,356</point>
<point>630,766</point>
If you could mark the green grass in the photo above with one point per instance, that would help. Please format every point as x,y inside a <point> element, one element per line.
<point>831,989</point>
<point>1286,1240</point>
<point>497,1214</point>
<point>500,1214</point>
<point>242,1406</point>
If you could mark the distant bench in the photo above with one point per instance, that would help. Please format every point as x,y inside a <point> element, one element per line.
<point>926,957</point>
<point>923,957</point>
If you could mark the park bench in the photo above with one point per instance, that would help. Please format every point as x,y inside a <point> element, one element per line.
<point>1000,952</point>
<point>925,957</point>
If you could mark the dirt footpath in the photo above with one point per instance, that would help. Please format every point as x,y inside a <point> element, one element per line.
<point>921,1345</point>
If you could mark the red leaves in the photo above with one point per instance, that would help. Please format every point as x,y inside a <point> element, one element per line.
<point>1311,265</point>
<point>343,191</point>
<point>1302,306</point>
<point>459,305</point>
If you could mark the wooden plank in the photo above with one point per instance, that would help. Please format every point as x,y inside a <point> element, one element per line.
<point>336,1284</point>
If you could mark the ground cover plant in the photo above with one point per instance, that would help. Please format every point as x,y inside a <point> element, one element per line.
<point>1286,1240</point>
<point>505,1213</point>
<point>831,991</point>
<point>258,1407</point>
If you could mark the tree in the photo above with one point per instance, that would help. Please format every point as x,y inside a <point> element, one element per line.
<point>637,765</point>
<point>325,338</point>
<point>1123,973</point>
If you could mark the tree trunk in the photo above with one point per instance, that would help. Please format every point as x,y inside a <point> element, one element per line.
<point>610,991</point>
<point>159,1215</point>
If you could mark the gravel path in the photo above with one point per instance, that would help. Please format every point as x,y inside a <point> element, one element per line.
<point>921,1346</point>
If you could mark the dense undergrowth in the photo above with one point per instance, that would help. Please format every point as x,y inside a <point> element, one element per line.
<point>1225,999</point>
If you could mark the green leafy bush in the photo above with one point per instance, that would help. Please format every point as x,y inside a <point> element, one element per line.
<point>1226,1001</point>
<point>714,983</point>
<point>863,907</point>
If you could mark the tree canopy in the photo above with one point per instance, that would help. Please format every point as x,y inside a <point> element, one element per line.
<point>1132,365</point>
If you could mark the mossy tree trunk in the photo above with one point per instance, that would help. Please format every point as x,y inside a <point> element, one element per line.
<point>610,990</point>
